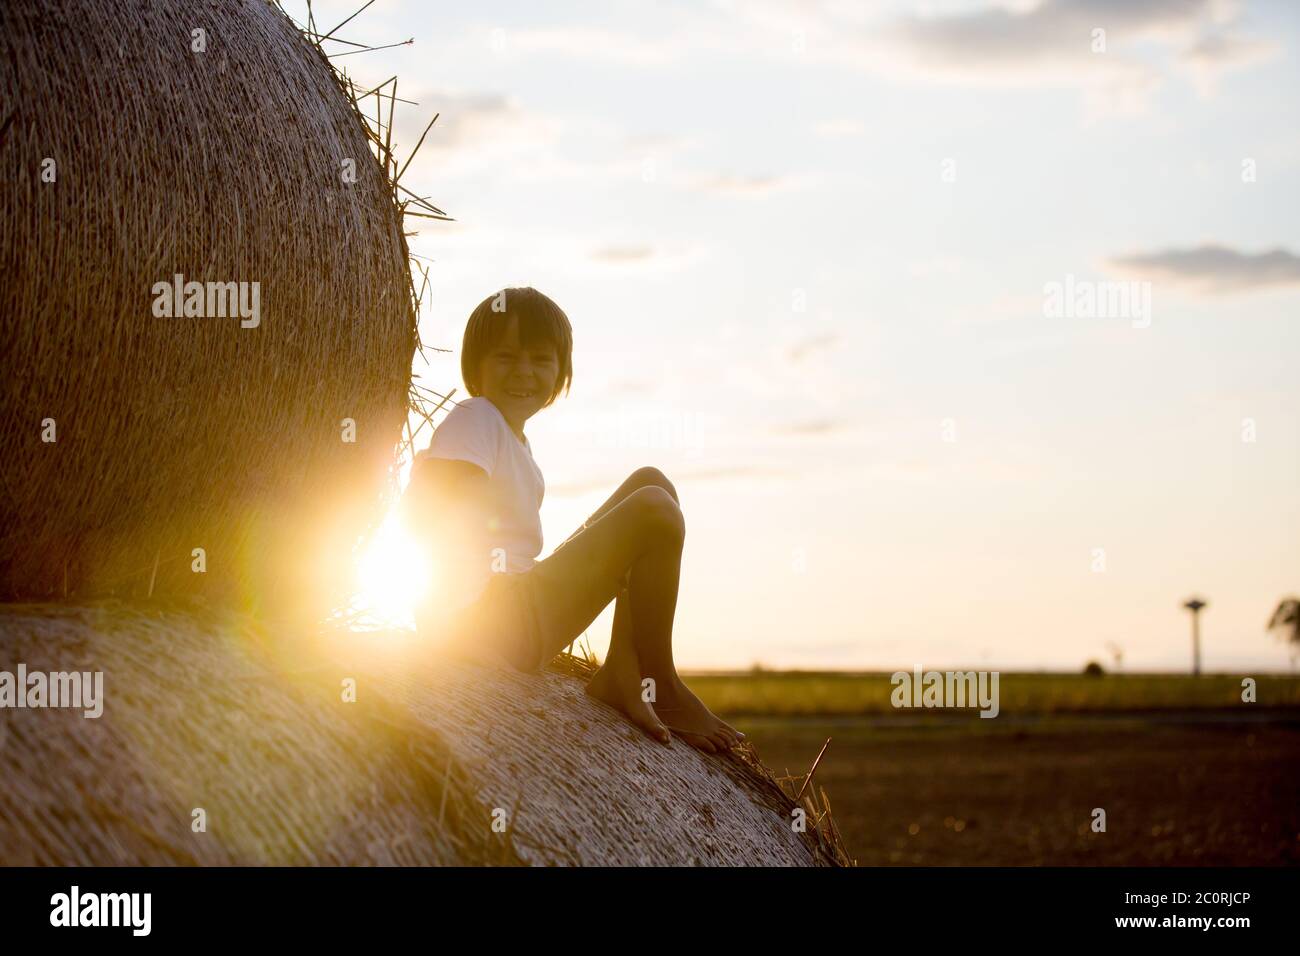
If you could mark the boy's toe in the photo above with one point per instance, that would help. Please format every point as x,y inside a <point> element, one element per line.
<point>656,730</point>
<point>700,742</point>
<point>724,737</point>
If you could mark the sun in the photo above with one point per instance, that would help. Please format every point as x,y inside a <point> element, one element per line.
<point>393,574</point>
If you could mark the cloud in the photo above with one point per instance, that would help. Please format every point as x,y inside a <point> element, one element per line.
<point>1217,53</point>
<point>1027,43</point>
<point>798,351</point>
<point>1215,269</point>
<point>630,386</point>
<point>480,132</point>
<point>1227,49</point>
<point>751,359</point>
<point>1107,48</point>
<point>582,42</point>
<point>659,144</point>
<point>642,258</point>
<point>995,37</point>
<point>744,187</point>
<point>465,120</point>
<point>576,488</point>
<point>1021,43</point>
<point>487,133</point>
<point>671,34</point>
<point>735,471</point>
<point>820,426</point>
<point>623,254</point>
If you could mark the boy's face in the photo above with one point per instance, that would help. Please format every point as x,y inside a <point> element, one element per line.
<point>516,380</point>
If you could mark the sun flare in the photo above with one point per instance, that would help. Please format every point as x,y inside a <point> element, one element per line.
<point>393,573</point>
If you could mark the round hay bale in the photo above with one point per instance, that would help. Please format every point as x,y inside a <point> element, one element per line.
<point>131,156</point>
<point>201,710</point>
<point>579,785</point>
<point>198,714</point>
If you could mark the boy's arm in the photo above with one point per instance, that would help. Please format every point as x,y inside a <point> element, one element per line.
<point>447,507</point>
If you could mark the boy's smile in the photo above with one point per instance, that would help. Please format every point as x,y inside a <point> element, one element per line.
<point>518,380</point>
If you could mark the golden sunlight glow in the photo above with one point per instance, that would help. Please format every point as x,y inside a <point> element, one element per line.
<point>393,574</point>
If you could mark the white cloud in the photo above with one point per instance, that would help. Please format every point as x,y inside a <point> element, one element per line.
<point>998,44</point>
<point>589,43</point>
<point>642,258</point>
<point>743,186</point>
<point>1215,269</point>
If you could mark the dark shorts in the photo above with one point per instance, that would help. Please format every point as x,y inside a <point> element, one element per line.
<point>501,626</point>
<point>508,622</point>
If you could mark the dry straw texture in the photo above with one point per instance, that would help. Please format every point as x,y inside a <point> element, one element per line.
<point>201,709</point>
<point>183,433</point>
<point>583,787</point>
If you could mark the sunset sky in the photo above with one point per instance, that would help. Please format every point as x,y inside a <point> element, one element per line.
<point>804,250</point>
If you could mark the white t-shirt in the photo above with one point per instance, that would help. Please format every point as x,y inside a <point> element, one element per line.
<point>477,432</point>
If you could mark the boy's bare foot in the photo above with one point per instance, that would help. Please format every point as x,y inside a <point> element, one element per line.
<point>618,683</point>
<point>686,716</point>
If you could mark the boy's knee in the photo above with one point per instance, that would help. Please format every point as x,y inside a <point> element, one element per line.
<point>651,477</point>
<point>658,511</point>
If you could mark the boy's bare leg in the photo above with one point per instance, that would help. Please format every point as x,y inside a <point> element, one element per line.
<point>641,478</point>
<point>687,724</point>
<point>675,703</point>
<point>652,598</point>
<point>620,676</point>
<point>633,548</point>
<point>580,579</point>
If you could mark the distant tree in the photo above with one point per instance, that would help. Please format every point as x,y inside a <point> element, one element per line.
<point>1093,669</point>
<point>1116,653</point>
<point>1285,622</point>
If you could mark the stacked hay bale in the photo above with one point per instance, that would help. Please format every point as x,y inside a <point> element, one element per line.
<point>213,142</point>
<point>211,747</point>
<point>578,785</point>
<point>168,482</point>
<point>337,753</point>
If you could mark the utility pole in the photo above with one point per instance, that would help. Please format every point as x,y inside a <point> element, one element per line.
<point>1194,605</point>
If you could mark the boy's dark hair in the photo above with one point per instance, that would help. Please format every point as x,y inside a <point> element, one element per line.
<point>541,321</point>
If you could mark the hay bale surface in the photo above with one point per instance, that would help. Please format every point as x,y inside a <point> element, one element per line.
<point>581,786</point>
<point>198,714</point>
<point>175,433</point>
<point>203,709</point>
